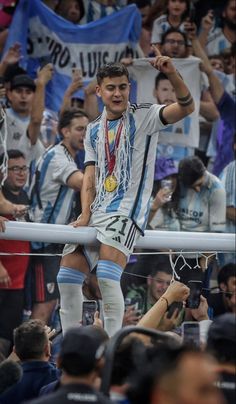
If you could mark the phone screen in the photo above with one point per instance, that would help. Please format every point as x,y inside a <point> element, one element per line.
<point>191,333</point>
<point>193,300</point>
<point>89,308</point>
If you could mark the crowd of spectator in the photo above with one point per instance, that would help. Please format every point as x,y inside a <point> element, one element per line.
<point>42,166</point>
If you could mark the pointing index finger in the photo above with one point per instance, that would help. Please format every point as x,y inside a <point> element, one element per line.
<point>156,50</point>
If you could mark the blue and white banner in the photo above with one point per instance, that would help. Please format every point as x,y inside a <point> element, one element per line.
<point>185,132</point>
<point>45,36</point>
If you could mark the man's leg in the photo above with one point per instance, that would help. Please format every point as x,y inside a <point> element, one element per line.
<point>70,278</point>
<point>46,293</point>
<point>109,270</point>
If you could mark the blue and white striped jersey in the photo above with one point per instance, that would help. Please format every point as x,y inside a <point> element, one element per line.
<point>49,187</point>
<point>160,26</point>
<point>145,122</point>
<point>94,10</point>
<point>217,42</point>
<point>204,210</point>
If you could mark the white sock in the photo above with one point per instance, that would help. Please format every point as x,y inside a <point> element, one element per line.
<point>109,274</point>
<point>70,283</point>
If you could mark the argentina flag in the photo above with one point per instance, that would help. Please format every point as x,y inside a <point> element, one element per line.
<point>46,37</point>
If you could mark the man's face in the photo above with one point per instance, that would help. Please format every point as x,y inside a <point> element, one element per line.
<point>217,64</point>
<point>174,46</point>
<point>17,174</point>
<point>230,297</point>
<point>229,14</point>
<point>158,284</point>
<point>114,92</point>
<point>75,133</point>
<point>21,99</point>
<point>165,93</point>
<point>176,7</point>
<point>73,11</point>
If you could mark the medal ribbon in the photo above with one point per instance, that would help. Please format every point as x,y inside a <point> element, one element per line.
<point>111,158</point>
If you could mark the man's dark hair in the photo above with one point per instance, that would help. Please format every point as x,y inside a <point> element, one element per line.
<point>171,31</point>
<point>12,154</point>
<point>62,6</point>
<point>161,361</point>
<point>30,340</point>
<point>127,359</point>
<point>83,362</point>
<point>190,170</point>
<point>112,69</point>
<point>161,76</point>
<point>166,268</point>
<point>68,115</point>
<point>221,338</point>
<point>226,272</point>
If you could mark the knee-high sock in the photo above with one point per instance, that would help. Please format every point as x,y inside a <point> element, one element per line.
<point>70,283</point>
<point>108,275</point>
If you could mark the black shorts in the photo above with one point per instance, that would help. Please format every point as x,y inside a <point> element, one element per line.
<point>11,311</point>
<point>43,274</point>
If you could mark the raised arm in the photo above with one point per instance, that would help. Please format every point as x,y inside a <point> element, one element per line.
<point>176,292</point>
<point>76,84</point>
<point>91,101</point>
<point>38,106</point>
<point>207,24</point>
<point>185,104</point>
<point>11,57</point>
<point>216,88</point>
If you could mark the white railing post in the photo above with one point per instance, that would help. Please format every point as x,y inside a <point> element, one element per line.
<point>153,240</point>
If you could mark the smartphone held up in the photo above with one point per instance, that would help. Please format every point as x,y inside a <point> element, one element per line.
<point>89,309</point>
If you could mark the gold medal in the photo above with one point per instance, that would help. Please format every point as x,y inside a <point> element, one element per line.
<point>110,183</point>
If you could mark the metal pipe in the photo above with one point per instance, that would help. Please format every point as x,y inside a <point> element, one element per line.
<point>153,239</point>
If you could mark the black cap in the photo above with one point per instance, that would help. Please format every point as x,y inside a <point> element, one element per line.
<point>22,80</point>
<point>223,328</point>
<point>82,343</point>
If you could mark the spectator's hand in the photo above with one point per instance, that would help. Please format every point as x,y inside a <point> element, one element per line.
<point>191,30</point>
<point>13,55</point>
<point>162,196</point>
<point>97,321</point>
<point>162,63</point>
<point>176,292</point>
<point>5,279</point>
<point>128,61</point>
<point>90,89</point>
<point>131,316</point>
<point>50,331</point>
<point>2,223</point>
<point>201,313</point>
<point>19,210</point>
<point>77,82</point>
<point>174,321</point>
<point>45,74</point>
<point>207,21</point>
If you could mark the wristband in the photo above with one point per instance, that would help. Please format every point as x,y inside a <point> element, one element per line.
<point>167,303</point>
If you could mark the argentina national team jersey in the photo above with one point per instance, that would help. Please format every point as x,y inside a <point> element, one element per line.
<point>217,42</point>
<point>145,123</point>
<point>49,187</point>
<point>203,211</point>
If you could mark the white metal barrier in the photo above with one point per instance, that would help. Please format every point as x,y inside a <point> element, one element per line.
<point>153,240</point>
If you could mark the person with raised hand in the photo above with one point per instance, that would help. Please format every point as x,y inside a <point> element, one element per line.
<point>120,151</point>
